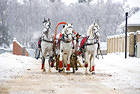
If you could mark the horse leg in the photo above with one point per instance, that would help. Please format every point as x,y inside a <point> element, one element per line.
<point>43,64</point>
<point>57,61</point>
<point>92,63</point>
<point>65,56</point>
<point>50,61</point>
<point>75,62</point>
<point>61,58</point>
<point>86,60</point>
<point>91,56</point>
<point>68,63</point>
<point>43,59</point>
<point>72,62</point>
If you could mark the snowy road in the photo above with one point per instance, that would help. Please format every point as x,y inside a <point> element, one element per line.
<point>114,75</point>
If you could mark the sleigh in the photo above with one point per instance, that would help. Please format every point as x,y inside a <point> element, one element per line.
<point>74,63</point>
<point>66,59</point>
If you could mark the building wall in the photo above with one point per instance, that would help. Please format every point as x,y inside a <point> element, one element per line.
<point>133,28</point>
<point>131,47</point>
<point>19,50</point>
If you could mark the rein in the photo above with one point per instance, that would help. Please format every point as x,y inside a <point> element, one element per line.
<point>47,41</point>
<point>66,41</point>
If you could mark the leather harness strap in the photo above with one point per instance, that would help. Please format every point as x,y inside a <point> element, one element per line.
<point>66,41</point>
<point>47,41</point>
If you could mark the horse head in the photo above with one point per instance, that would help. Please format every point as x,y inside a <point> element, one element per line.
<point>93,30</point>
<point>46,23</point>
<point>67,30</point>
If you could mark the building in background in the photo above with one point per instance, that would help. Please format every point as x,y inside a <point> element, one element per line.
<point>116,43</point>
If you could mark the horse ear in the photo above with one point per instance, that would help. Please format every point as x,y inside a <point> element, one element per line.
<point>44,20</point>
<point>72,25</point>
<point>63,26</point>
<point>48,19</point>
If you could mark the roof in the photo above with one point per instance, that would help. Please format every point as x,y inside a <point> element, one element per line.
<point>134,20</point>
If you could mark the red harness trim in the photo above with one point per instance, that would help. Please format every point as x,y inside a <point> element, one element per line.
<point>56,30</point>
<point>83,41</point>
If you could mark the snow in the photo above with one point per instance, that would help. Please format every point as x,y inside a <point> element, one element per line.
<point>31,52</point>
<point>125,72</point>
<point>138,31</point>
<point>117,36</point>
<point>122,35</point>
<point>13,65</point>
<point>134,20</point>
<point>15,40</point>
<point>114,75</point>
<point>103,45</point>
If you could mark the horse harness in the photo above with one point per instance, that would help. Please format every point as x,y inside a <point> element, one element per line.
<point>65,40</point>
<point>46,34</point>
<point>96,38</point>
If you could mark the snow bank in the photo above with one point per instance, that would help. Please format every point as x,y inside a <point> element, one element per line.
<point>125,72</point>
<point>103,46</point>
<point>18,42</point>
<point>14,65</point>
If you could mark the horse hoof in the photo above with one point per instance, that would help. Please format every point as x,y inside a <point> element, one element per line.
<point>93,73</point>
<point>60,70</point>
<point>56,68</point>
<point>49,70</point>
<point>52,64</point>
<point>86,65</point>
<point>44,70</point>
<point>86,73</point>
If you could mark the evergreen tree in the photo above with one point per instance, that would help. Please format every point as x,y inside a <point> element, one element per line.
<point>4,36</point>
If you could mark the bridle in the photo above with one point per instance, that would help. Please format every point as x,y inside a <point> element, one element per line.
<point>95,38</point>
<point>66,35</point>
<point>46,32</point>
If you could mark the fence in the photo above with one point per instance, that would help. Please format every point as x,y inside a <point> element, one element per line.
<point>116,43</point>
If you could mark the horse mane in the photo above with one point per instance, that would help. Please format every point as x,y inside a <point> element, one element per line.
<point>89,32</point>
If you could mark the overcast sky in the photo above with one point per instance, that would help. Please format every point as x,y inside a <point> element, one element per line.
<point>131,3</point>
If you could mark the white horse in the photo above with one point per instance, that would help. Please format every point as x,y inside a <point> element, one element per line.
<point>91,47</point>
<point>46,43</point>
<point>66,46</point>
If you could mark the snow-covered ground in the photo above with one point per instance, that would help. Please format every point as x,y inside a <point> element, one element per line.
<point>14,65</point>
<point>114,75</point>
<point>125,72</point>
